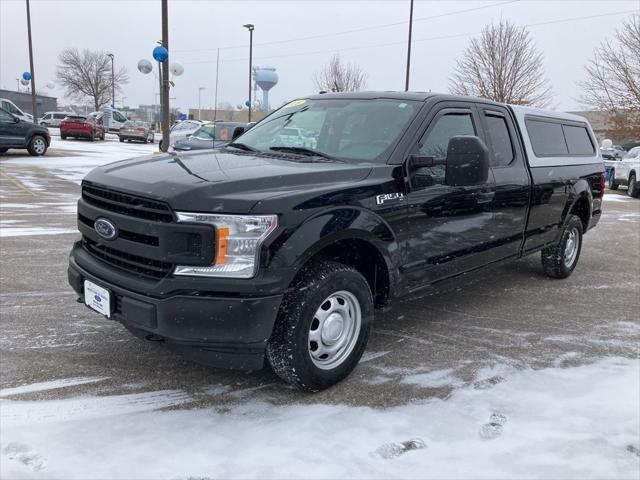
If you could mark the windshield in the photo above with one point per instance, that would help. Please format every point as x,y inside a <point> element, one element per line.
<point>346,129</point>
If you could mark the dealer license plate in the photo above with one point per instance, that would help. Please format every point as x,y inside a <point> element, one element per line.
<point>97,298</point>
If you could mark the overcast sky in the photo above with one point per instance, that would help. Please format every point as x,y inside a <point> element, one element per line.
<point>297,38</point>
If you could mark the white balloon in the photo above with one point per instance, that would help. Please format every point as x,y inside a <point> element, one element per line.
<point>176,69</point>
<point>607,143</point>
<point>50,85</point>
<point>145,66</point>
<point>25,82</point>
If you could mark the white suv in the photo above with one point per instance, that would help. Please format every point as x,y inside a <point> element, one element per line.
<point>626,171</point>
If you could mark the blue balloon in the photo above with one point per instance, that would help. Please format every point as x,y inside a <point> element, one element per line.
<point>247,104</point>
<point>26,76</point>
<point>160,54</point>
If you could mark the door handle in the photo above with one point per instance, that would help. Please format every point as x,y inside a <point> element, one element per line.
<point>484,197</point>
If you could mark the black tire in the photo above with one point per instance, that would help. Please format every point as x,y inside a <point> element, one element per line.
<point>289,350</point>
<point>555,260</point>
<point>160,145</point>
<point>37,146</point>
<point>63,137</point>
<point>632,189</point>
<point>121,139</point>
<point>613,185</point>
<point>92,137</point>
<point>3,150</point>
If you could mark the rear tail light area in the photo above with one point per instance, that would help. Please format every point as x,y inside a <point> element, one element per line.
<point>603,184</point>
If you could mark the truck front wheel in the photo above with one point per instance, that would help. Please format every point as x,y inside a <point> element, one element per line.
<point>632,189</point>
<point>322,327</point>
<point>560,260</point>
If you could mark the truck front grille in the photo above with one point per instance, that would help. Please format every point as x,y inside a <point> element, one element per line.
<point>126,204</point>
<point>145,267</point>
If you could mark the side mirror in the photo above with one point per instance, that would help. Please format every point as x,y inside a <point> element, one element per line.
<point>467,161</point>
<point>237,132</point>
<point>189,134</point>
<point>16,119</point>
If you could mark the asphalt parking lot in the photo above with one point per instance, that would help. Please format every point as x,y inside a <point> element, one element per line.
<point>458,336</point>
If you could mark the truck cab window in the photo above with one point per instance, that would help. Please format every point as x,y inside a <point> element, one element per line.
<point>436,142</point>
<point>501,145</point>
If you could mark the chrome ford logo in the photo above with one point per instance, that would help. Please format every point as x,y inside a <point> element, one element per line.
<point>105,228</point>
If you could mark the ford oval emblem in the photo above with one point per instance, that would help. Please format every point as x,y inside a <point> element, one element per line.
<point>105,228</point>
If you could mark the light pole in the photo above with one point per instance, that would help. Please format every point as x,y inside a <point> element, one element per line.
<point>406,82</point>
<point>32,75</point>
<point>250,27</point>
<point>199,91</point>
<point>113,83</point>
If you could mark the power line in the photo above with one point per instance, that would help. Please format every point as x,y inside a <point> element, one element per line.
<point>355,30</point>
<point>442,37</point>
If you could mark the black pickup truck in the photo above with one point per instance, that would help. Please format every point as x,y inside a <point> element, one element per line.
<point>283,251</point>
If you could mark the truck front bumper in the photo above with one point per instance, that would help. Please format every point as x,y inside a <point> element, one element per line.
<point>217,330</point>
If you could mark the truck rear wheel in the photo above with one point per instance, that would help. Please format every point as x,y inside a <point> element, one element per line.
<point>322,327</point>
<point>560,260</point>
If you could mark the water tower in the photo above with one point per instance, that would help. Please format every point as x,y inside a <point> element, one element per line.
<point>266,78</point>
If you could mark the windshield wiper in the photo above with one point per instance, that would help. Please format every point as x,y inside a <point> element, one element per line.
<point>241,146</point>
<point>306,151</point>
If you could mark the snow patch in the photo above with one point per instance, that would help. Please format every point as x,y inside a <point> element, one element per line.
<point>51,385</point>
<point>579,422</point>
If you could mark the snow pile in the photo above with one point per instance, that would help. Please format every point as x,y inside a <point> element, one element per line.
<point>580,422</point>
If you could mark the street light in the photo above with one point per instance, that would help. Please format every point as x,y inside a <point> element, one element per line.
<point>113,84</point>
<point>199,91</point>
<point>250,27</point>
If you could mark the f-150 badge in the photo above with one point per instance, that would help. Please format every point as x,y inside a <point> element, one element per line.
<point>381,199</point>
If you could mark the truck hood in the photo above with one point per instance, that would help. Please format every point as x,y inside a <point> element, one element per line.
<point>223,181</point>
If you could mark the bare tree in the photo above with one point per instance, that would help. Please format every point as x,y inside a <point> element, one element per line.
<point>613,79</point>
<point>504,65</point>
<point>340,77</point>
<point>87,74</point>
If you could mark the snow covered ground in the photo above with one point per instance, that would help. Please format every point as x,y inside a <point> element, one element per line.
<point>73,159</point>
<point>580,422</point>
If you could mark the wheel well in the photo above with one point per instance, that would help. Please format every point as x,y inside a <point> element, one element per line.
<point>582,210</point>
<point>365,258</point>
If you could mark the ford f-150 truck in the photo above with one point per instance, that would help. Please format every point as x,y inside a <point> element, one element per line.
<point>263,251</point>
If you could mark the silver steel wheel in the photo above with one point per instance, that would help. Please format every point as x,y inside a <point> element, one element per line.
<point>39,146</point>
<point>334,330</point>
<point>571,247</point>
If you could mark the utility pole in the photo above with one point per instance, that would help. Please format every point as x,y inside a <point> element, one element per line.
<point>250,27</point>
<point>215,97</point>
<point>113,84</point>
<point>406,83</point>
<point>199,92</point>
<point>34,107</point>
<point>165,78</point>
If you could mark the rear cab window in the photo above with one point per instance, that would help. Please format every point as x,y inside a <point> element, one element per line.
<point>555,138</point>
<point>500,139</point>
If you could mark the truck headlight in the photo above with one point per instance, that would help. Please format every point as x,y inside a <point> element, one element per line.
<point>238,241</point>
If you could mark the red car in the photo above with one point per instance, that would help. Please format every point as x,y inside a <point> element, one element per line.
<point>86,126</point>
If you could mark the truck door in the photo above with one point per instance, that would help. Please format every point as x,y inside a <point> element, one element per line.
<point>448,227</point>
<point>512,180</point>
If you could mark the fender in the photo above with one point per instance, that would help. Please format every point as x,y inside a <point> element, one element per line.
<point>330,226</point>
<point>578,190</point>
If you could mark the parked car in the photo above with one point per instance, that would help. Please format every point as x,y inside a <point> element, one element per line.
<point>626,172</point>
<point>13,109</point>
<point>211,135</point>
<point>182,130</point>
<point>136,130</point>
<point>18,133</point>
<point>263,251</point>
<point>53,119</point>
<point>83,126</point>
